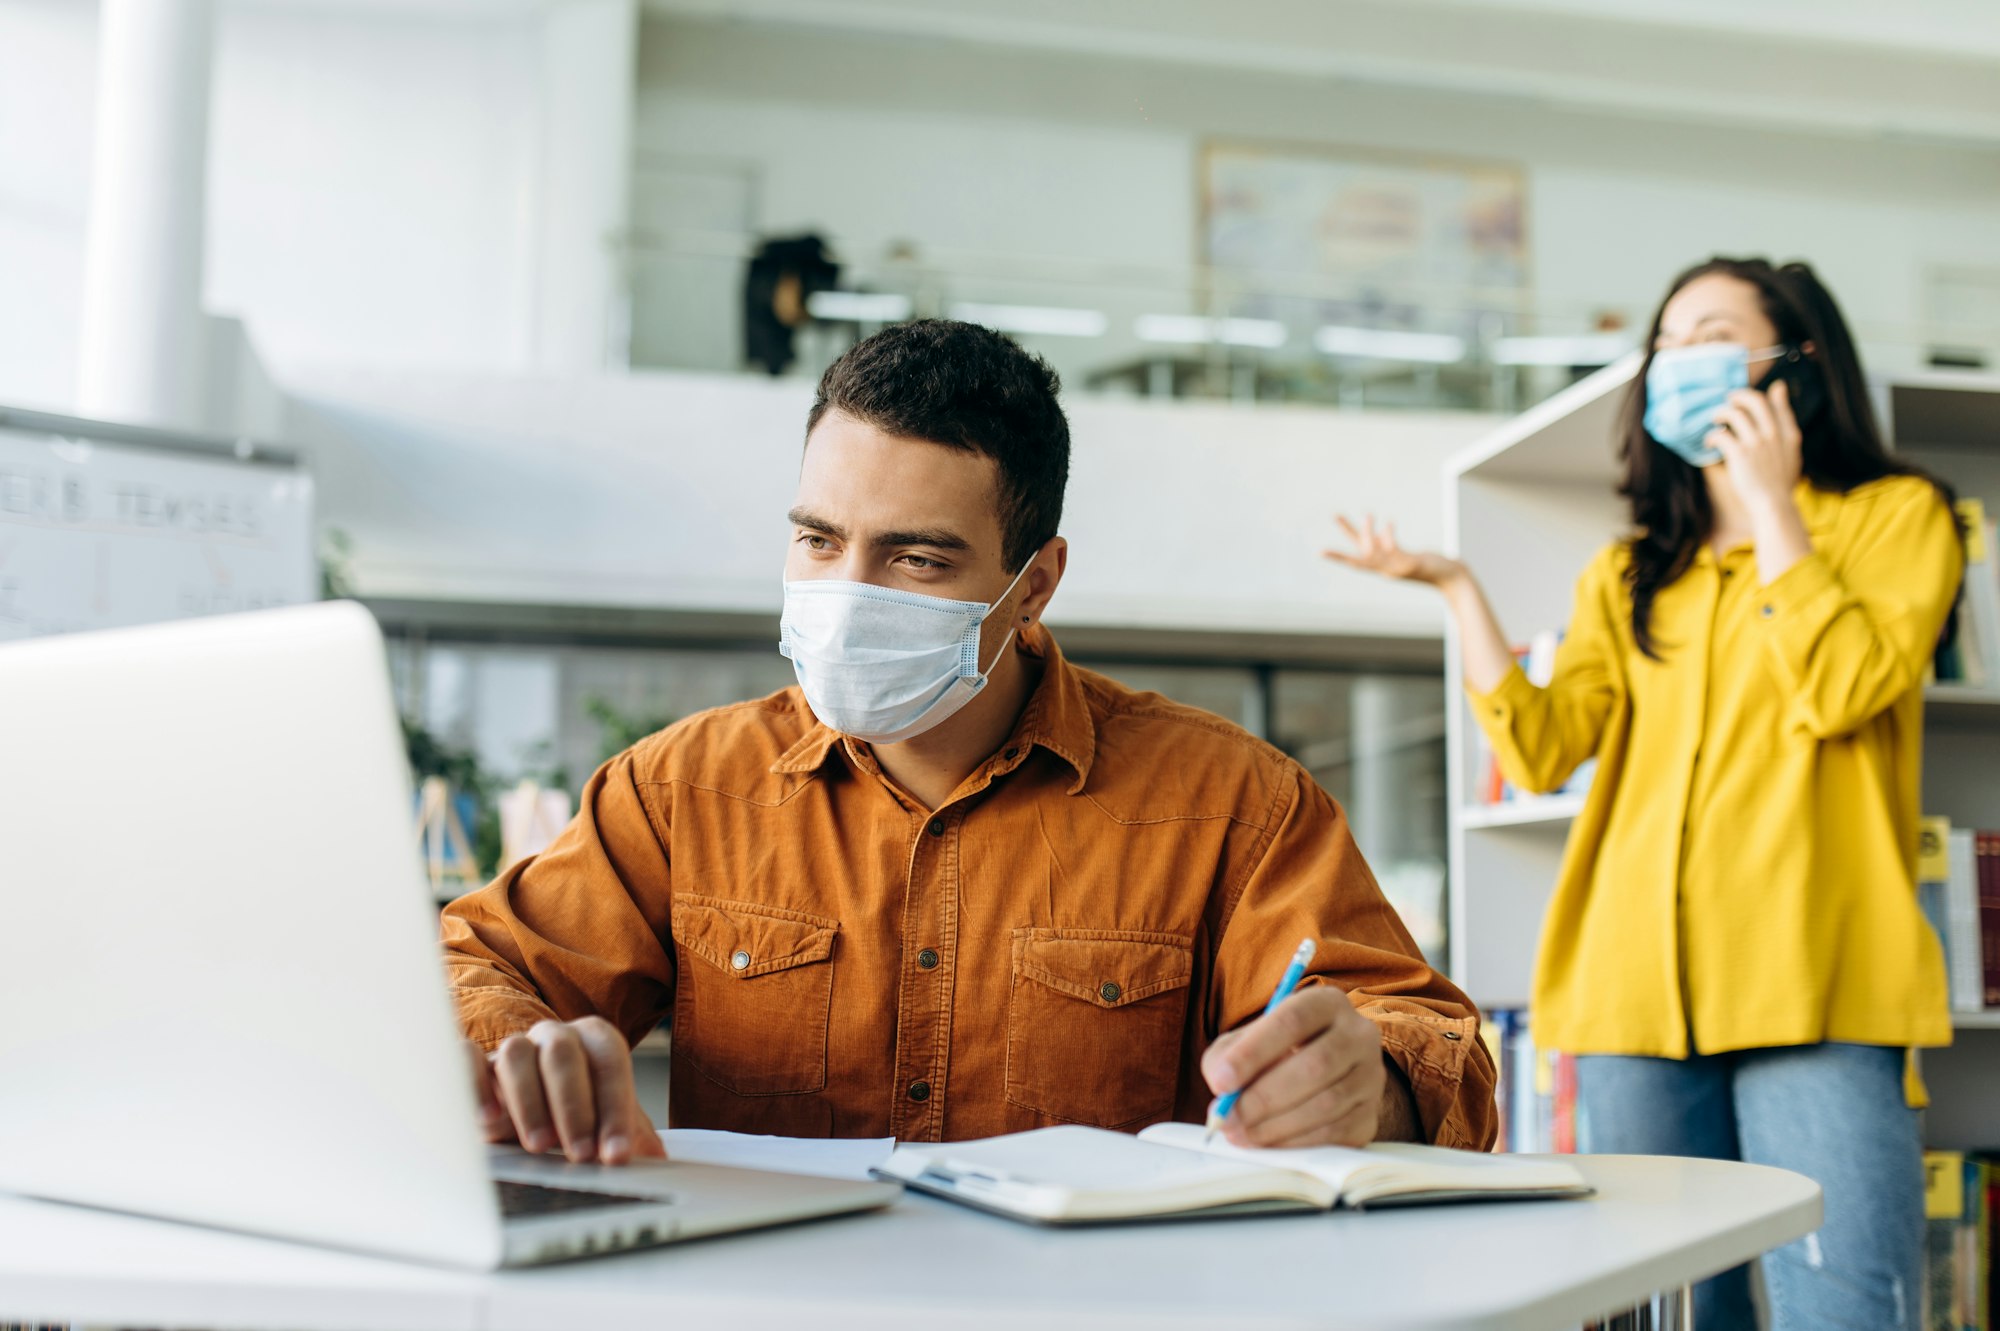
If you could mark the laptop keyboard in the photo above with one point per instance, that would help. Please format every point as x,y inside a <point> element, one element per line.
<point>528,1199</point>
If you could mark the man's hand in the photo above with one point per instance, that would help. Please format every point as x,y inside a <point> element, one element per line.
<point>568,1084</point>
<point>1311,1070</point>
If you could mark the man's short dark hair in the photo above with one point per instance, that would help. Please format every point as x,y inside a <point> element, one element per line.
<point>969,388</point>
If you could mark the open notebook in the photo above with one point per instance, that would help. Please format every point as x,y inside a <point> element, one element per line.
<point>1077,1175</point>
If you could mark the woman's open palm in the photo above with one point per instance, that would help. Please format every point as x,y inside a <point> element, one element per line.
<point>1376,551</point>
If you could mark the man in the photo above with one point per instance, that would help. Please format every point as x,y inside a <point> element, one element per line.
<point>951,885</point>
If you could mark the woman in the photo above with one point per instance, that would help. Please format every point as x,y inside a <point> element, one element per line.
<point>1734,947</point>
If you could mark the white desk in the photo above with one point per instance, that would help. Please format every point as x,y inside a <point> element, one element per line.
<point>923,1264</point>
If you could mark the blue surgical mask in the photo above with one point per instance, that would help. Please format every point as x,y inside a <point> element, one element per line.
<point>1687,386</point>
<point>885,665</point>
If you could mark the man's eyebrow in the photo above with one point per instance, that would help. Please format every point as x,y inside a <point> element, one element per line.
<point>800,517</point>
<point>937,538</point>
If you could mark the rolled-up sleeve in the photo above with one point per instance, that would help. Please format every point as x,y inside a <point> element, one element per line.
<point>578,930</point>
<point>1309,880</point>
<point>1540,735</point>
<point>1847,643</point>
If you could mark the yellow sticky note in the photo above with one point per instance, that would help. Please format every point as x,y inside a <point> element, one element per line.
<point>1933,849</point>
<point>1944,1184</point>
<point>1972,515</point>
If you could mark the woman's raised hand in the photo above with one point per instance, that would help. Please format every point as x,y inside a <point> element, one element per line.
<point>1376,551</point>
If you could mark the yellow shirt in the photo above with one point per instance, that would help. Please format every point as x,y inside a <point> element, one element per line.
<point>1743,872</point>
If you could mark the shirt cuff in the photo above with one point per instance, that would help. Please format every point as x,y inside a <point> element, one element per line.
<point>489,1013</point>
<point>1503,700</point>
<point>1433,1051</point>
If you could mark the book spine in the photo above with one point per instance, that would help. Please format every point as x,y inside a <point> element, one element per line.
<point>1989,918</point>
<point>1526,1116</point>
<point>1565,1104</point>
<point>1989,1221</point>
<point>1972,1248</point>
<point>1962,949</point>
<point>1493,1034</point>
<point>1944,1208</point>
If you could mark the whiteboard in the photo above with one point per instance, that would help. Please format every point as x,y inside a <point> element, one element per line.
<point>103,526</point>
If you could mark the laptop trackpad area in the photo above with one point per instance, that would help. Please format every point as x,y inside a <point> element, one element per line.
<point>704,1198</point>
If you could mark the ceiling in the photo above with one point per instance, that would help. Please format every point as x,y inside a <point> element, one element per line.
<point>1925,70</point>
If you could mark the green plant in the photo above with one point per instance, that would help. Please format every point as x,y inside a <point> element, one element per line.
<point>336,565</point>
<point>618,730</point>
<point>431,756</point>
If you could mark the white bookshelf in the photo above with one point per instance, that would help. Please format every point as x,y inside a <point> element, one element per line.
<point>1527,507</point>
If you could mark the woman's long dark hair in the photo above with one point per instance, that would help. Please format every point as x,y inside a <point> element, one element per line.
<point>1843,449</point>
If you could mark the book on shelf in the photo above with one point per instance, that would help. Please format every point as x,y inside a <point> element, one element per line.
<point>1536,1090</point>
<point>1989,918</point>
<point>1973,656</point>
<point>1961,1191</point>
<point>1958,885</point>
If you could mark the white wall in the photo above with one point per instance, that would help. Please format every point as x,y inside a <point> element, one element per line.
<point>371,177</point>
<point>48,62</point>
<point>668,491</point>
<point>370,184</point>
<point>1045,156</point>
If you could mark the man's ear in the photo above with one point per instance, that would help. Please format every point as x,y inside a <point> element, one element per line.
<point>1045,572</point>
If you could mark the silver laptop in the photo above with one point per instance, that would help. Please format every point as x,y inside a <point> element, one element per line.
<point>222,991</point>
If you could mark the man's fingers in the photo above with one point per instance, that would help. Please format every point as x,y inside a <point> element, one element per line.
<point>1295,1079</point>
<point>566,1085</point>
<point>1347,527</point>
<point>646,1143</point>
<point>620,1121</point>
<point>1231,1064</point>
<point>493,1118</point>
<point>517,1070</point>
<point>1315,1121</point>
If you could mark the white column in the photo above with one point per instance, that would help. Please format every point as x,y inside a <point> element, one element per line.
<point>590,51</point>
<point>1373,794</point>
<point>144,337</point>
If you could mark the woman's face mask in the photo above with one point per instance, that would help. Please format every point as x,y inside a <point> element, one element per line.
<point>1687,386</point>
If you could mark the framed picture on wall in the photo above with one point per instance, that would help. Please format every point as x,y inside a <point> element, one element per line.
<point>1359,239</point>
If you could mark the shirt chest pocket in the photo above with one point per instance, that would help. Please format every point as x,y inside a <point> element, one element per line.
<point>754,994</point>
<point>1095,1023</point>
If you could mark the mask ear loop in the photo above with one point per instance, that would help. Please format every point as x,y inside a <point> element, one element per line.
<point>1011,631</point>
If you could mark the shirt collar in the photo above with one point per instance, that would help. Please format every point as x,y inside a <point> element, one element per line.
<point>1057,718</point>
<point>1818,509</point>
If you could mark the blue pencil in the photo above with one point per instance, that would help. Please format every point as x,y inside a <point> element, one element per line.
<point>1293,974</point>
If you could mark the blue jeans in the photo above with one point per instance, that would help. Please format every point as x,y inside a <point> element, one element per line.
<point>1833,1112</point>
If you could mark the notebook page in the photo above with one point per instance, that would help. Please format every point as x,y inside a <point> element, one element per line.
<point>1391,1169</point>
<point>1332,1165</point>
<point>1088,1171</point>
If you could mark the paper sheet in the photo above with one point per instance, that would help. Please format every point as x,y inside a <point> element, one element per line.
<point>829,1157</point>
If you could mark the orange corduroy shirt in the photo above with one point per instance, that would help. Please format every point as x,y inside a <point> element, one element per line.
<point>1058,943</point>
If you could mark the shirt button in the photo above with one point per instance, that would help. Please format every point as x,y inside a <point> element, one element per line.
<point>741,961</point>
<point>927,959</point>
<point>1768,612</point>
<point>937,827</point>
<point>1109,992</point>
<point>920,1090</point>
<point>1453,1035</point>
<point>1010,754</point>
